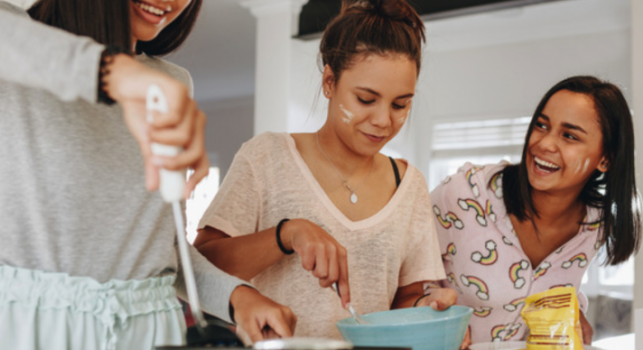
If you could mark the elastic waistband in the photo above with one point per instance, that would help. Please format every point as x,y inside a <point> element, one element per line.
<point>116,298</point>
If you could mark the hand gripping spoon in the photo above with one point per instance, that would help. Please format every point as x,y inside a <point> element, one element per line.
<point>171,188</point>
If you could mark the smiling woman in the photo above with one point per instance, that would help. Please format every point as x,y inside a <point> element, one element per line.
<point>156,27</point>
<point>566,142</point>
<point>525,228</point>
<point>329,203</point>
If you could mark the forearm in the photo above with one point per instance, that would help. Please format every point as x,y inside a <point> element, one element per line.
<point>215,288</point>
<point>415,295</point>
<point>35,55</point>
<point>407,296</point>
<point>244,256</point>
<point>405,301</point>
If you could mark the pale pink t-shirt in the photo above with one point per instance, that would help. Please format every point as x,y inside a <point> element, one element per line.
<point>269,181</point>
<point>484,260</point>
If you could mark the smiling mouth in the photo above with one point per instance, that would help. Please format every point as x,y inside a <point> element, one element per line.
<point>150,9</point>
<point>545,165</point>
<point>374,137</point>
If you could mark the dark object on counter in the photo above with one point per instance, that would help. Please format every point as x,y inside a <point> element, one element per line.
<point>238,348</point>
<point>217,334</point>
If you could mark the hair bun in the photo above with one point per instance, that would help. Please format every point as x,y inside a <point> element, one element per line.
<point>398,10</point>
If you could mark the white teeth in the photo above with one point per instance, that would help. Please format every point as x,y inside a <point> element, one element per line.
<point>546,164</point>
<point>150,9</point>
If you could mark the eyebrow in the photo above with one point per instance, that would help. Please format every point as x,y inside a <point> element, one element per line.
<point>566,125</point>
<point>371,91</point>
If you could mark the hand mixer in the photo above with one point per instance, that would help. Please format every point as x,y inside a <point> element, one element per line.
<point>171,188</point>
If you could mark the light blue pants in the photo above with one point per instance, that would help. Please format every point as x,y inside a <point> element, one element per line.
<point>54,311</point>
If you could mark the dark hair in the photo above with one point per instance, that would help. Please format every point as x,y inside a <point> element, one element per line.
<point>372,26</point>
<point>108,22</point>
<point>613,192</point>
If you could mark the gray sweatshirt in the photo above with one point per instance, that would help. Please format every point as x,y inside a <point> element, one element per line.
<point>72,193</point>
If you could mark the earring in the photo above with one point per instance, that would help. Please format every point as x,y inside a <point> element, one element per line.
<point>327,93</point>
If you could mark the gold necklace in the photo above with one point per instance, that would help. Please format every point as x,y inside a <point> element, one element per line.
<point>353,196</point>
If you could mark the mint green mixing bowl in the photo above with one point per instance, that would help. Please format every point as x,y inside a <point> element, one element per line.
<point>420,328</point>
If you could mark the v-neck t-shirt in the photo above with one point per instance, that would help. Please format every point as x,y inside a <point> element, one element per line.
<point>269,181</point>
<point>484,260</point>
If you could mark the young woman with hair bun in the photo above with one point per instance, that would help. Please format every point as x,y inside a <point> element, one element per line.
<point>88,257</point>
<point>297,212</point>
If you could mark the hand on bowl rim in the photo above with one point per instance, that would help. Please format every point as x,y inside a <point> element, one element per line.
<point>440,299</point>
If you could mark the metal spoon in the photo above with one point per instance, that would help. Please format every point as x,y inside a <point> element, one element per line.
<point>356,316</point>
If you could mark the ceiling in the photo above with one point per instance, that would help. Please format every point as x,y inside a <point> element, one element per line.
<point>317,13</point>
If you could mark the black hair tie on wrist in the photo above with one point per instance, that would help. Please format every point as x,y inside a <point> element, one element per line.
<point>420,298</point>
<point>279,242</point>
<point>106,60</point>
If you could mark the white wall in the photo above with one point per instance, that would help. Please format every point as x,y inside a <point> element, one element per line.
<point>230,124</point>
<point>22,3</point>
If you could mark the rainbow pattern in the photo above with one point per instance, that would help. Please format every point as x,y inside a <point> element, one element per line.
<point>514,304</point>
<point>495,332</point>
<point>595,226</point>
<point>489,259</point>
<point>510,331</point>
<point>472,203</point>
<point>450,219</point>
<point>483,290</point>
<point>474,187</point>
<point>497,190</point>
<point>518,281</point>
<point>581,258</point>
<point>451,278</point>
<point>483,312</point>
<point>489,211</point>
<point>467,204</point>
<point>542,270</point>
<point>513,331</point>
<point>561,286</point>
<point>451,249</point>
<point>597,245</point>
<point>443,222</point>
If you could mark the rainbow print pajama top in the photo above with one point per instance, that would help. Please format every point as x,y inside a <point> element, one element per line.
<point>484,261</point>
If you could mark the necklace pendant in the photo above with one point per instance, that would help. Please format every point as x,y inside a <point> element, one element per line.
<point>353,198</point>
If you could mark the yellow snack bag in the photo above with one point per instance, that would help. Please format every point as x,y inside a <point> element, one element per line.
<point>552,318</point>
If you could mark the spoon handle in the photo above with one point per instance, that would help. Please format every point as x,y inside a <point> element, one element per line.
<point>356,316</point>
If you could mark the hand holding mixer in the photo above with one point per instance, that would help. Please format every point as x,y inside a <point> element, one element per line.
<point>171,188</point>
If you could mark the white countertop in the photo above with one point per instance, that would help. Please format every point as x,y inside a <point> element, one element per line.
<point>622,342</point>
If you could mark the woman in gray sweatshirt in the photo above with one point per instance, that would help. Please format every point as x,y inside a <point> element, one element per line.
<point>88,256</point>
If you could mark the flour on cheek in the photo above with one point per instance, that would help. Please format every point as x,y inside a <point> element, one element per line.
<point>586,165</point>
<point>348,115</point>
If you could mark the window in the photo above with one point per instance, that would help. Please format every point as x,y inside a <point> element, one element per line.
<point>478,142</point>
<point>200,200</point>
